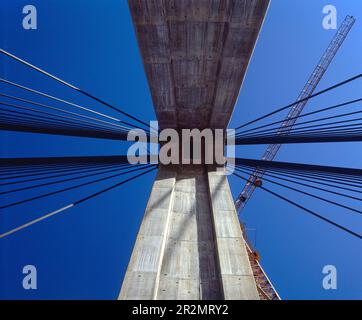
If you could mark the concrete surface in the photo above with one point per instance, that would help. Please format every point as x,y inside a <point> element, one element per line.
<point>195,54</point>
<point>190,244</point>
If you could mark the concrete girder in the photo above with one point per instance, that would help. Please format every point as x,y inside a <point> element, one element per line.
<point>195,54</point>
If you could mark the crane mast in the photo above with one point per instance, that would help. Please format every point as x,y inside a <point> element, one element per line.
<point>296,110</point>
<point>264,285</point>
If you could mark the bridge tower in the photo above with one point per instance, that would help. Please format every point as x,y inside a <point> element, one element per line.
<point>190,244</point>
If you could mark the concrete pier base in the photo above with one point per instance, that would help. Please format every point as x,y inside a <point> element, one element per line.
<point>190,244</point>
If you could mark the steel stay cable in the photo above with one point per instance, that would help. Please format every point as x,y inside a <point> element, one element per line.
<point>117,168</point>
<point>96,120</point>
<point>306,209</point>
<point>279,130</point>
<point>64,160</point>
<point>302,115</point>
<point>69,188</point>
<point>62,209</point>
<point>50,170</point>
<point>46,173</point>
<point>308,194</point>
<point>301,139</point>
<point>69,103</point>
<point>298,166</point>
<point>57,99</point>
<point>301,170</point>
<point>300,131</point>
<point>54,117</point>
<point>334,178</point>
<point>317,188</point>
<point>39,123</point>
<point>60,124</point>
<point>302,100</point>
<point>341,135</point>
<point>35,126</point>
<point>72,87</point>
<point>24,169</point>
<point>317,178</point>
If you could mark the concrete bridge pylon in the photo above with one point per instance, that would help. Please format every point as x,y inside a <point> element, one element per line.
<point>190,244</point>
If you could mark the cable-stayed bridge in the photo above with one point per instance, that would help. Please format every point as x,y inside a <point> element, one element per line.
<point>190,244</point>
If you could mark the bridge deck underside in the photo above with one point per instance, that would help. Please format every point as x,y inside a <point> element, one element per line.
<point>195,54</point>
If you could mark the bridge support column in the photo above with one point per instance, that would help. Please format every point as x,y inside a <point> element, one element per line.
<point>190,244</point>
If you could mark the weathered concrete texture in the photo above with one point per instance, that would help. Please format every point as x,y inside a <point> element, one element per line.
<point>195,53</point>
<point>190,244</point>
<point>189,267</point>
<point>236,275</point>
<point>142,276</point>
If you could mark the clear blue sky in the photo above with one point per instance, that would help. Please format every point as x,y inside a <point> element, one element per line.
<point>84,252</point>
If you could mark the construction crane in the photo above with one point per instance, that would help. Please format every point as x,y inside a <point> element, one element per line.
<point>265,288</point>
<point>255,178</point>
